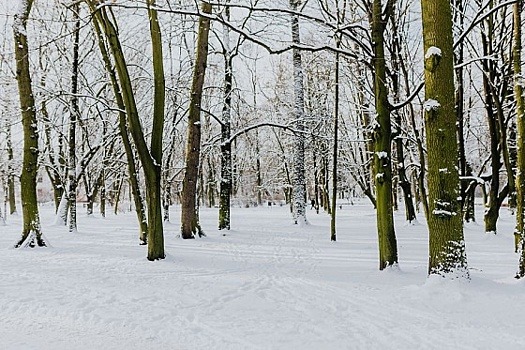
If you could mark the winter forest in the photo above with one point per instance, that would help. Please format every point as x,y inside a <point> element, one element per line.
<point>286,174</point>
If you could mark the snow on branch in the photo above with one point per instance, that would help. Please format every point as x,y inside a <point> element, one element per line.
<point>433,51</point>
<point>431,105</point>
<point>250,36</point>
<point>410,98</point>
<point>259,125</point>
<point>480,17</point>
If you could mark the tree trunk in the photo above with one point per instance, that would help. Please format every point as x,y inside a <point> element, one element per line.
<point>168,179</point>
<point>103,173</point>
<point>382,144</point>
<point>459,17</point>
<point>492,210</point>
<point>31,230</point>
<point>2,218</point>
<point>299,181</point>
<point>153,167</point>
<point>150,157</point>
<point>410,212</point>
<point>258,169</point>
<point>225,186</point>
<point>445,225</point>
<point>189,215</point>
<point>333,233</point>
<point>210,184</point>
<point>73,117</point>
<point>469,212</point>
<point>520,110</point>
<point>54,168</point>
<point>11,195</point>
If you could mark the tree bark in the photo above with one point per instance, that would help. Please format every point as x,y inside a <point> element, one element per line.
<point>225,186</point>
<point>11,194</point>
<point>459,17</point>
<point>299,181</point>
<point>31,230</point>
<point>520,110</point>
<point>489,76</point>
<point>73,118</point>
<point>333,233</point>
<point>382,143</point>
<point>190,226</point>
<point>446,243</point>
<point>410,212</point>
<point>153,169</point>
<point>150,157</point>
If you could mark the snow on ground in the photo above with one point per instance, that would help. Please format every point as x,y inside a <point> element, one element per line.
<point>267,284</point>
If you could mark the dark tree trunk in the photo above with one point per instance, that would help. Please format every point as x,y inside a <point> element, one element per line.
<point>382,142</point>
<point>31,230</point>
<point>190,226</point>
<point>150,157</point>
<point>11,195</point>
<point>410,213</point>
<point>73,118</point>
<point>124,134</point>
<point>225,185</point>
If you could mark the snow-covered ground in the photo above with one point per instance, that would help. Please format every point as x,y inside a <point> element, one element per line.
<point>267,284</point>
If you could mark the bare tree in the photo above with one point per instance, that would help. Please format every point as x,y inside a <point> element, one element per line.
<point>31,230</point>
<point>189,215</point>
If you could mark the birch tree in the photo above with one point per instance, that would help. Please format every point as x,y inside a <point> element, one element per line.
<point>520,109</point>
<point>73,119</point>
<point>225,185</point>
<point>299,181</point>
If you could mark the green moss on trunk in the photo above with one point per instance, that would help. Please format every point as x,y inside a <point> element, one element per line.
<point>446,245</point>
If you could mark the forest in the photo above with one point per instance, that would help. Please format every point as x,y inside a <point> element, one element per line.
<point>99,91</point>
<point>186,118</point>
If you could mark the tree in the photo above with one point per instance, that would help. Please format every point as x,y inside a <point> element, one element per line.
<point>10,173</point>
<point>446,245</point>
<point>140,210</point>
<point>73,118</point>
<point>299,181</point>
<point>150,157</point>
<point>383,139</point>
<point>152,168</point>
<point>459,19</point>
<point>333,234</point>
<point>520,109</point>
<point>225,186</point>
<point>495,41</point>
<point>31,230</point>
<point>395,76</point>
<point>190,226</point>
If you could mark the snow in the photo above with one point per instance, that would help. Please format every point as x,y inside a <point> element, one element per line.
<point>431,105</point>
<point>433,51</point>
<point>441,212</point>
<point>382,155</point>
<point>267,284</point>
